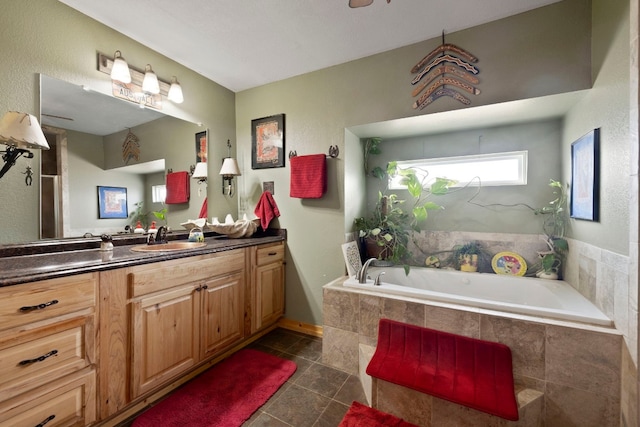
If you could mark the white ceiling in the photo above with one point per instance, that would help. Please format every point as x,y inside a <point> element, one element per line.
<point>241,44</point>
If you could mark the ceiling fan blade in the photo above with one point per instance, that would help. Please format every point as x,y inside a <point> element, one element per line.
<point>359,3</point>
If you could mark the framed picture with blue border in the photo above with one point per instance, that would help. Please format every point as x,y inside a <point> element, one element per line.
<point>585,177</point>
<point>112,202</point>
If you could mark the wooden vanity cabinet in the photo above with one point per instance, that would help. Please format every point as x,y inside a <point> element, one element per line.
<point>268,286</point>
<point>182,312</point>
<point>48,351</point>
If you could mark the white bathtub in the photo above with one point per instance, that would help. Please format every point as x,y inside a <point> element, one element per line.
<point>524,295</point>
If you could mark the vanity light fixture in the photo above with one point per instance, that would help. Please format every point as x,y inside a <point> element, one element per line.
<point>175,91</point>
<point>19,132</point>
<point>120,69</point>
<point>228,171</point>
<point>150,82</point>
<point>147,80</point>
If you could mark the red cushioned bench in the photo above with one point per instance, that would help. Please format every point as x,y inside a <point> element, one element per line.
<point>471,372</point>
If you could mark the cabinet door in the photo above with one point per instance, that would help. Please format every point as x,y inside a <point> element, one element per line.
<point>269,294</point>
<point>165,336</point>
<point>223,318</point>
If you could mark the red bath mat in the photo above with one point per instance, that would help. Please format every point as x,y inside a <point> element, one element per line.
<point>225,395</point>
<point>360,415</point>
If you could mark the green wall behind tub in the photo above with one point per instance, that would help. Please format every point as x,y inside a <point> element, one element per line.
<point>534,54</point>
<point>473,209</point>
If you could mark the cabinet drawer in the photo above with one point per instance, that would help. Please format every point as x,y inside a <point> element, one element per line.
<point>43,355</point>
<point>165,275</point>
<point>270,253</point>
<point>70,401</point>
<point>37,301</point>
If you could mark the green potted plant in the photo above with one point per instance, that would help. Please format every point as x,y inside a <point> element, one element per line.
<point>553,227</point>
<point>385,232</point>
<point>139,215</point>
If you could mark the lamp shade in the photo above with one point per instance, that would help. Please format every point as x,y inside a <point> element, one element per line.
<point>150,82</point>
<point>175,91</point>
<point>22,130</point>
<point>200,171</point>
<point>230,167</point>
<point>120,69</point>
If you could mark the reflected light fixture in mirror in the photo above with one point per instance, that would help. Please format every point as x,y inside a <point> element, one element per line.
<point>120,69</point>
<point>20,132</point>
<point>150,82</point>
<point>228,171</point>
<point>200,172</point>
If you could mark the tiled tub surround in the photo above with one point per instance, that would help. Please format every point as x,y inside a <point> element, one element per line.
<point>602,276</point>
<point>577,367</point>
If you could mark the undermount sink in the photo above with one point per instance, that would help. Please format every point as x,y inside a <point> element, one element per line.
<point>168,247</point>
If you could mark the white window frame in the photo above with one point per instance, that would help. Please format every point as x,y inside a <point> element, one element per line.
<point>512,166</point>
<point>158,193</point>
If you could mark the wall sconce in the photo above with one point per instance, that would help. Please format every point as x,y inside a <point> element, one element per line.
<point>200,172</point>
<point>228,171</point>
<point>147,80</point>
<point>20,132</point>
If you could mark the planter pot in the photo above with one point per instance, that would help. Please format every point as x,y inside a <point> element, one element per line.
<point>469,262</point>
<point>376,251</point>
<point>548,276</point>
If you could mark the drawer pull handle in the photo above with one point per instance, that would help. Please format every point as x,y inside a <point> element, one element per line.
<point>199,288</point>
<point>39,306</point>
<point>38,359</point>
<point>49,418</point>
<point>273,253</point>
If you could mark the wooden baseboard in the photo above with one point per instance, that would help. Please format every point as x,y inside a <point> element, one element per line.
<point>305,328</point>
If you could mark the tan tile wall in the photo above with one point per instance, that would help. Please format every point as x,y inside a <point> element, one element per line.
<point>577,368</point>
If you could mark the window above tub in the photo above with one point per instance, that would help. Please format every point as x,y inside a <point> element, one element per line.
<point>494,169</point>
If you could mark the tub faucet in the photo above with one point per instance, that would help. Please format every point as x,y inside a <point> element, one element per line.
<point>361,275</point>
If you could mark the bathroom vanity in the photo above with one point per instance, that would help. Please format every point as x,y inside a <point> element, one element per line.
<point>90,337</point>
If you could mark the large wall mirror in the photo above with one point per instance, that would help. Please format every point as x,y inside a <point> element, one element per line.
<point>101,141</point>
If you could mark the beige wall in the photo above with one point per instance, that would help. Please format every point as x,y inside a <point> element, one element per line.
<point>50,38</point>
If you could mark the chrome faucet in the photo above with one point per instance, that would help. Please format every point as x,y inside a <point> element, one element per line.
<point>161,234</point>
<point>361,275</point>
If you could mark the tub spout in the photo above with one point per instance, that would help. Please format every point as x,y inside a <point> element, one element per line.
<point>361,275</point>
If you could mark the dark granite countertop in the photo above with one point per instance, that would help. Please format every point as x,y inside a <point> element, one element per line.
<point>29,263</point>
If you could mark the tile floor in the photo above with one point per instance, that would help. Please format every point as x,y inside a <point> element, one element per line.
<point>315,396</point>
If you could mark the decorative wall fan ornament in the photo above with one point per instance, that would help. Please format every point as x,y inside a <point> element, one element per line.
<point>361,3</point>
<point>447,65</point>
<point>130,148</point>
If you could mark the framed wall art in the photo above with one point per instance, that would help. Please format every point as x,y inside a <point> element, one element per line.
<point>201,147</point>
<point>267,142</point>
<point>585,177</point>
<point>112,202</point>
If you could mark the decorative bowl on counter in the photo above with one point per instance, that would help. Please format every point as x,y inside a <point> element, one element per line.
<point>201,223</point>
<point>240,228</point>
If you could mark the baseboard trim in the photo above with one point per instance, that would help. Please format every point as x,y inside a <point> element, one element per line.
<point>305,328</point>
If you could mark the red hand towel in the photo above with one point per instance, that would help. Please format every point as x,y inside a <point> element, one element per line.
<point>178,190</point>
<point>308,176</point>
<point>266,209</point>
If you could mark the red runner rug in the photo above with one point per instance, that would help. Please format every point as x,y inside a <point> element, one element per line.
<point>225,395</point>
<point>360,415</point>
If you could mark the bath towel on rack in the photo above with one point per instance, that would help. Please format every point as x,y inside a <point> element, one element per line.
<point>178,190</point>
<point>308,176</point>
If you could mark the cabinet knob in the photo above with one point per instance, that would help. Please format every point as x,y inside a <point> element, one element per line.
<point>39,306</point>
